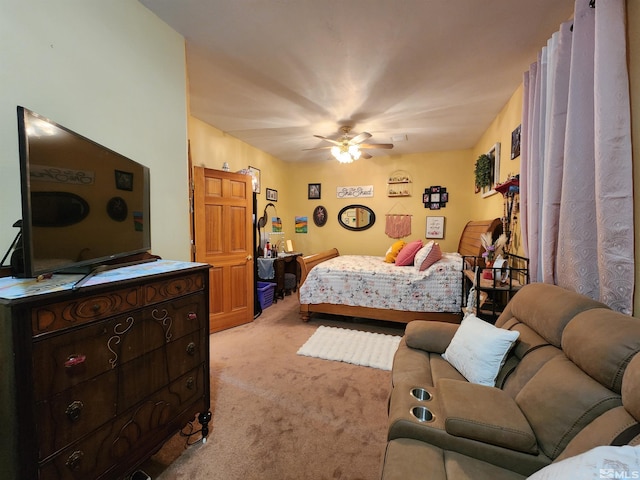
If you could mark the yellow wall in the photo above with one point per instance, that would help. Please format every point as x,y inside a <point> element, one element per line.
<point>500,131</point>
<point>453,169</point>
<point>211,147</point>
<point>445,169</point>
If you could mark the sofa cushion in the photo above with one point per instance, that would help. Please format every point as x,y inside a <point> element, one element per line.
<point>602,342</point>
<point>430,336</point>
<point>411,365</point>
<point>530,352</point>
<point>631,387</point>
<point>491,417</point>
<point>560,400</point>
<point>605,461</point>
<point>409,459</point>
<point>547,309</point>
<point>478,350</point>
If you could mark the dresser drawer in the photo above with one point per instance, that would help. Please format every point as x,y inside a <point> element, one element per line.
<point>81,310</point>
<point>75,412</point>
<point>135,432</point>
<point>67,416</point>
<point>148,374</point>
<point>175,287</point>
<point>73,357</point>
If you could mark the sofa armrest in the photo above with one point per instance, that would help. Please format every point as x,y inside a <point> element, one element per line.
<point>430,336</point>
<point>486,414</point>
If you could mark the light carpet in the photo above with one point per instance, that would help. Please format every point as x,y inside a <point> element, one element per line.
<point>352,346</point>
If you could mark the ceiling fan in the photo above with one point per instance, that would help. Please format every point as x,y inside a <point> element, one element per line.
<point>347,149</point>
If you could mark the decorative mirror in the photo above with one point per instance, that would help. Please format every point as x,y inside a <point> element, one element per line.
<point>356,217</point>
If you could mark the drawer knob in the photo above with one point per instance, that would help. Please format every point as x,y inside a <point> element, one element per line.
<point>95,307</point>
<point>74,360</point>
<point>74,460</point>
<point>190,383</point>
<point>191,348</point>
<point>192,316</point>
<point>74,410</point>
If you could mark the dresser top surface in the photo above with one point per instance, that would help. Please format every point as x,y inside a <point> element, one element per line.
<point>20,288</point>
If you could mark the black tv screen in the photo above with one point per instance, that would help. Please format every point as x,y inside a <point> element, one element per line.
<point>82,203</point>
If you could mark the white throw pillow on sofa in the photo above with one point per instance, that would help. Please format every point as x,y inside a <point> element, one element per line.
<point>478,350</point>
<point>599,462</point>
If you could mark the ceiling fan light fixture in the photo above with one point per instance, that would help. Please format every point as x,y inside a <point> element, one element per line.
<point>346,153</point>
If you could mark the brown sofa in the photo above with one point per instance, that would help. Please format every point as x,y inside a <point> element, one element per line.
<point>565,387</point>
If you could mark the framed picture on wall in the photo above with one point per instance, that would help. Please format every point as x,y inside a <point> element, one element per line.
<point>435,227</point>
<point>314,191</point>
<point>255,176</point>
<point>320,216</point>
<point>272,195</point>
<point>124,180</point>
<point>515,142</point>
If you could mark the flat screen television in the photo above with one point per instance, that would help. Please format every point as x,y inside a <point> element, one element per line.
<point>82,204</point>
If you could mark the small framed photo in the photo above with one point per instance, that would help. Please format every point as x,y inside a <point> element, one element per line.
<point>314,191</point>
<point>272,194</point>
<point>435,227</point>
<point>124,180</point>
<point>320,216</point>
<point>255,178</point>
<point>515,142</point>
<point>435,197</point>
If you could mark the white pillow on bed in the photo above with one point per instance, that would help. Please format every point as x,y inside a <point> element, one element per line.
<point>478,350</point>
<point>427,256</point>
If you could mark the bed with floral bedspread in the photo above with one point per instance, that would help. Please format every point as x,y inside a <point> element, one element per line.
<point>367,281</point>
<point>365,286</point>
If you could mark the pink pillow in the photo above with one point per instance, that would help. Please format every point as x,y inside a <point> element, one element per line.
<point>427,256</point>
<point>408,252</point>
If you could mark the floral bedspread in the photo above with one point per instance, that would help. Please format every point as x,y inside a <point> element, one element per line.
<point>367,281</point>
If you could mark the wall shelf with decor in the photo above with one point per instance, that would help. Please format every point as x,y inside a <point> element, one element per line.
<point>399,184</point>
<point>486,291</point>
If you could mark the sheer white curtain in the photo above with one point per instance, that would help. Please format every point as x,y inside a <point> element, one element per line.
<point>576,170</point>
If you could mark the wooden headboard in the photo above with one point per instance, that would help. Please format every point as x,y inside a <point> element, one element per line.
<point>470,239</point>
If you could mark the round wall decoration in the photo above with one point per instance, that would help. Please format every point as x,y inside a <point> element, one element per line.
<point>320,216</point>
<point>117,209</point>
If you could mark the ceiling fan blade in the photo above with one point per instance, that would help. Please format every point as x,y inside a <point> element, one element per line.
<point>376,145</point>
<point>328,139</point>
<point>361,137</point>
<point>365,155</point>
<point>317,148</point>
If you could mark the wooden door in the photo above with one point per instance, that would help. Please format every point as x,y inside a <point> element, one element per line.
<point>223,230</point>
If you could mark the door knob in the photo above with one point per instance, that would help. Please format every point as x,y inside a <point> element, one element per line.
<point>249,258</point>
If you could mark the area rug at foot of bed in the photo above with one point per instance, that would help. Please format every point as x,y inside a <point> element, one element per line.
<point>352,346</point>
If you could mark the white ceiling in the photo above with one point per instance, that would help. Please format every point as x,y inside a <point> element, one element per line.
<point>275,72</point>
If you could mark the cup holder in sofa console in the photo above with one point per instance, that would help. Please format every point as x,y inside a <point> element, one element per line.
<point>422,414</point>
<point>420,394</point>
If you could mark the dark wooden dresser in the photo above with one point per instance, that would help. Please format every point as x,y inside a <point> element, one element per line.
<point>93,381</point>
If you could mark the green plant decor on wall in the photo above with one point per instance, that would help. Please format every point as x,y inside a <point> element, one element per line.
<point>483,170</point>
